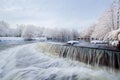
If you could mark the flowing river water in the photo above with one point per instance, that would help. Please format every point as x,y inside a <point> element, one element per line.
<point>28,62</point>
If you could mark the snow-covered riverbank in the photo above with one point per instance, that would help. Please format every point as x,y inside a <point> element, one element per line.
<point>27,63</point>
<point>11,39</point>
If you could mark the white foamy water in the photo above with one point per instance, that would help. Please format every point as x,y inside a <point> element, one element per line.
<point>26,63</point>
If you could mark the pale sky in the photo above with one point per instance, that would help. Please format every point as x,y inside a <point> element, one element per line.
<point>76,14</point>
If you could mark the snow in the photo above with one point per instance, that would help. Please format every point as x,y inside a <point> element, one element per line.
<point>42,39</point>
<point>27,63</point>
<point>11,38</point>
<point>115,43</point>
<point>98,42</point>
<point>72,42</point>
<point>113,35</point>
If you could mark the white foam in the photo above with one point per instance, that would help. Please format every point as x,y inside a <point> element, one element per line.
<point>26,63</point>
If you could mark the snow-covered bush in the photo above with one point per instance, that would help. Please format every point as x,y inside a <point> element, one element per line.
<point>114,43</point>
<point>113,35</point>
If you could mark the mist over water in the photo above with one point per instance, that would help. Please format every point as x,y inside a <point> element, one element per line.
<point>27,63</point>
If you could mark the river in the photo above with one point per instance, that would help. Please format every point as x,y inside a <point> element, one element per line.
<point>23,61</point>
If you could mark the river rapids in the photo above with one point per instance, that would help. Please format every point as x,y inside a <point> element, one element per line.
<point>26,62</point>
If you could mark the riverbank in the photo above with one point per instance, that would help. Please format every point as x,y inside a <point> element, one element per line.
<point>8,43</point>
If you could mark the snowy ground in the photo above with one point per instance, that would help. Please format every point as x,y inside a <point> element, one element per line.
<point>27,63</point>
<point>10,38</point>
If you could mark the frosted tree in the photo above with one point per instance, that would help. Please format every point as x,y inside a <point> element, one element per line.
<point>4,29</point>
<point>105,24</point>
<point>108,22</point>
<point>52,34</point>
<point>118,14</point>
<point>87,32</point>
<point>19,30</point>
<point>48,33</point>
<point>61,35</point>
<point>12,32</point>
<point>40,31</point>
<point>74,34</point>
<point>29,32</point>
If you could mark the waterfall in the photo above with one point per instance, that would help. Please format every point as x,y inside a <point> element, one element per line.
<point>27,62</point>
<point>93,56</point>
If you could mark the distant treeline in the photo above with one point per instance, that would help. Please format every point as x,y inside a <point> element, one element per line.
<point>32,31</point>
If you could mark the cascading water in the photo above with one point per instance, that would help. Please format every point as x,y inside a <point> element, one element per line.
<point>97,57</point>
<point>28,63</point>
